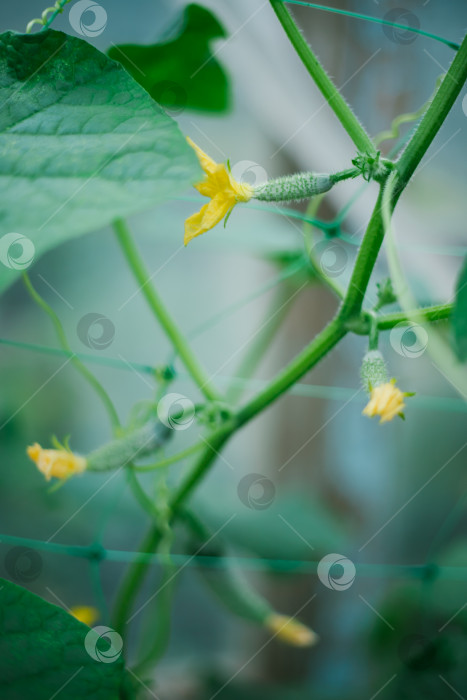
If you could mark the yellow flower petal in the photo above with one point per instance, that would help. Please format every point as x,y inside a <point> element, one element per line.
<point>85,614</point>
<point>207,163</point>
<point>386,401</point>
<point>208,216</point>
<point>59,463</point>
<point>223,190</point>
<point>291,631</point>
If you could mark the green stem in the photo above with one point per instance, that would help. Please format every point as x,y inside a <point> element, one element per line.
<point>276,314</point>
<point>195,475</point>
<point>342,175</point>
<point>364,263</point>
<point>171,460</point>
<point>78,365</point>
<point>439,312</point>
<point>177,339</point>
<point>307,359</point>
<point>60,5</point>
<point>435,115</point>
<point>133,579</point>
<point>139,493</point>
<point>160,637</point>
<point>373,335</point>
<point>329,91</point>
<point>405,167</point>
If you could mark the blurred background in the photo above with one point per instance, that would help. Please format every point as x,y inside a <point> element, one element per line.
<point>310,476</point>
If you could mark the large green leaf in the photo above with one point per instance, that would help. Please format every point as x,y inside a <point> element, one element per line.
<point>80,144</point>
<point>43,652</point>
<point>459,315</point>
<point>181,72</point>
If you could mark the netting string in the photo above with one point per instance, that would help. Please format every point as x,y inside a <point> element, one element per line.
<point>310,391</point>
<point>377,20</point>
<point>99,554</point>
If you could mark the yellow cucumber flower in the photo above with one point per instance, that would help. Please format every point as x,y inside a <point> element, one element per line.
<point>291,631</point>
<point>85,614</point>
<point>223,190</point>
<point>61,463</point>
<point>387,401</point>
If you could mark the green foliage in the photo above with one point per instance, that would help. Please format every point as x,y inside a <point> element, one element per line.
<point>81,142</point>
<point>42,650</point>
<point>426,641</point>
<point>459,316</point>
<point>181,71</point>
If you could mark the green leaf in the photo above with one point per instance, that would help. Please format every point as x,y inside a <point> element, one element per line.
<point>81,143</point>
<point>42,652</point>
<point>181,72</point>
<point>459,316</point>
